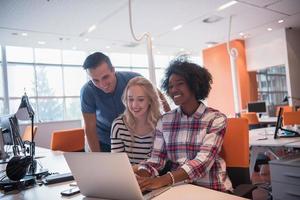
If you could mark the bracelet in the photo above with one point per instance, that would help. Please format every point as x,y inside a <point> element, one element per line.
<point>172,177</point>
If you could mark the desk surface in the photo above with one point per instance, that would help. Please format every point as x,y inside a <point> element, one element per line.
<point>265,137</point>
<point>55,162</point>
<point>267,120</point>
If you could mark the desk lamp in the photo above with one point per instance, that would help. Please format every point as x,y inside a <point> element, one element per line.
<point>25,112</point>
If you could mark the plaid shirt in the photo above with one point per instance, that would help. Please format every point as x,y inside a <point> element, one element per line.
<point>193,144</point>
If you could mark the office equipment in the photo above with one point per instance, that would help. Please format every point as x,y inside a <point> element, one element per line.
<point>70,192</point>
<point>25,112</point>
<point>3,154</point>
<point>285,179</point>
<point>69,140</point>
<point>235,152</point>
<point>258,107</point>
<point>288,132</point>
<point>96,175</point>
<point>58,178</point>
<point>7,129</point>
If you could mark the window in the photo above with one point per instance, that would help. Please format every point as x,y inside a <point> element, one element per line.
<point>53,78</point>
<point>20,78</point>
<point>19,54</point>
<point>272,87</point>
<point>49,80</point>
<point>49,56</point>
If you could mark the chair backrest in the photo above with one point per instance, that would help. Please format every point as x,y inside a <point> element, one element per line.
<point>27,133</point>
<point>285,109</point>
<point>291,118</point>
<point>69,140</point>
<point>235,151</point>
<point>251,117</point>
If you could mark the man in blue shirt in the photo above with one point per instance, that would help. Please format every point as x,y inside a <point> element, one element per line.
<point>101,99</point>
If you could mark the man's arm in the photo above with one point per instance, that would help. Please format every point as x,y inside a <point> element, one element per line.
<point>90,131</point>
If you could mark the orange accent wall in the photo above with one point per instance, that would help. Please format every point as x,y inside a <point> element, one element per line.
<point>217,61</point>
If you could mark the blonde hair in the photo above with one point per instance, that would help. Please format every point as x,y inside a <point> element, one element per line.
<point>153,113</point>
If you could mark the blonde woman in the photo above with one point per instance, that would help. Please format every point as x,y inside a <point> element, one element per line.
<point>133,131</point>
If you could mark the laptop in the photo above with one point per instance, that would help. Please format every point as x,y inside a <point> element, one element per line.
<point>288,133</point>
<point>106,175</point>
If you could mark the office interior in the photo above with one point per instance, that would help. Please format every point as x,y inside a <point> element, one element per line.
<point>44,43</point>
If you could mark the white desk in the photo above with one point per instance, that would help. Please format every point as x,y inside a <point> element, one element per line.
<point>55,162</point>
<point>262,140</point>
<point>267,120</point>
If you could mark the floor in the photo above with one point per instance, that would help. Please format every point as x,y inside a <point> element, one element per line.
<point>262,180</point>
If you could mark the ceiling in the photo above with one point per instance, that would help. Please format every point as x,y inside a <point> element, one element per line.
<point>64,24</point>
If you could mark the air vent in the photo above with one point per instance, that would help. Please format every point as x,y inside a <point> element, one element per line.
<point>212,19</point>
<point>131,44</point>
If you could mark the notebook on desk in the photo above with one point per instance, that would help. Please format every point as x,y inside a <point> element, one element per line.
<point>106,175</point>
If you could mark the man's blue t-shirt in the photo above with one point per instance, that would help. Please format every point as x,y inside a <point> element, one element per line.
<point>107,106</point>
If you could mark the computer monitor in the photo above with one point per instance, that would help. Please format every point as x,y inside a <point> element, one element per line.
<point>10,129</point>
<point>258,107</point>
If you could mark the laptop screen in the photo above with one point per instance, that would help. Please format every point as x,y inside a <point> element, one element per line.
<point>279,122</point>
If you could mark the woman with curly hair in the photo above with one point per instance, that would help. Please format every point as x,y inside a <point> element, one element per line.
<point>133,131</point>
<point>190,136</point>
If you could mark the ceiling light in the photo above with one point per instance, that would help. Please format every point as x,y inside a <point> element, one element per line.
<point>24,34</point>
<point>212,19</point>
<point>108,47</point>
<point>177,27</point>
<point>158,52</point>
<point>41,42</point>
<point>269,29</point>
<point>242,34</point>
<point>226,5</point>
<point>74,48</point>
<point>92,28</point>
<point>182,49</point>
<point>86,39</point>
<point>280,21</point>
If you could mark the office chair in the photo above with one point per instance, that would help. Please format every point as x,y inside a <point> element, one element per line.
<point>252,119</point>
<point>291,118</point>
<point>235,152</point>
<point>71,140</point>
<point>27,133</point>
<point>285,109</point>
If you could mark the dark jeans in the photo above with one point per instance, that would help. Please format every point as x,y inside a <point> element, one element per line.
<point>104,147</point>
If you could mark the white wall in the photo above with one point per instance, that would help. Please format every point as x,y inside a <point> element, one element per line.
<point>293,72</point>
<point>45,129</point>
<point>266,50</point>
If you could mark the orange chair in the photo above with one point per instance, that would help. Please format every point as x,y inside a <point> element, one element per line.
<point>252,119</point>
<point>27,133</point>
<point>235,152</point>
<point>70,140</point>
<point>285,109</point>
<point>291,118</point>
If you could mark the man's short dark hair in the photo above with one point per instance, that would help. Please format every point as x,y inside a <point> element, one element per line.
<point>96,59</point>
<point>199,80</point>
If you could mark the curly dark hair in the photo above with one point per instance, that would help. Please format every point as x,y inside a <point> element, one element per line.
<point>198,78</point>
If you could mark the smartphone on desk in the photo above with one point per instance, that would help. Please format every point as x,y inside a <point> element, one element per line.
<point>70,191</point>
